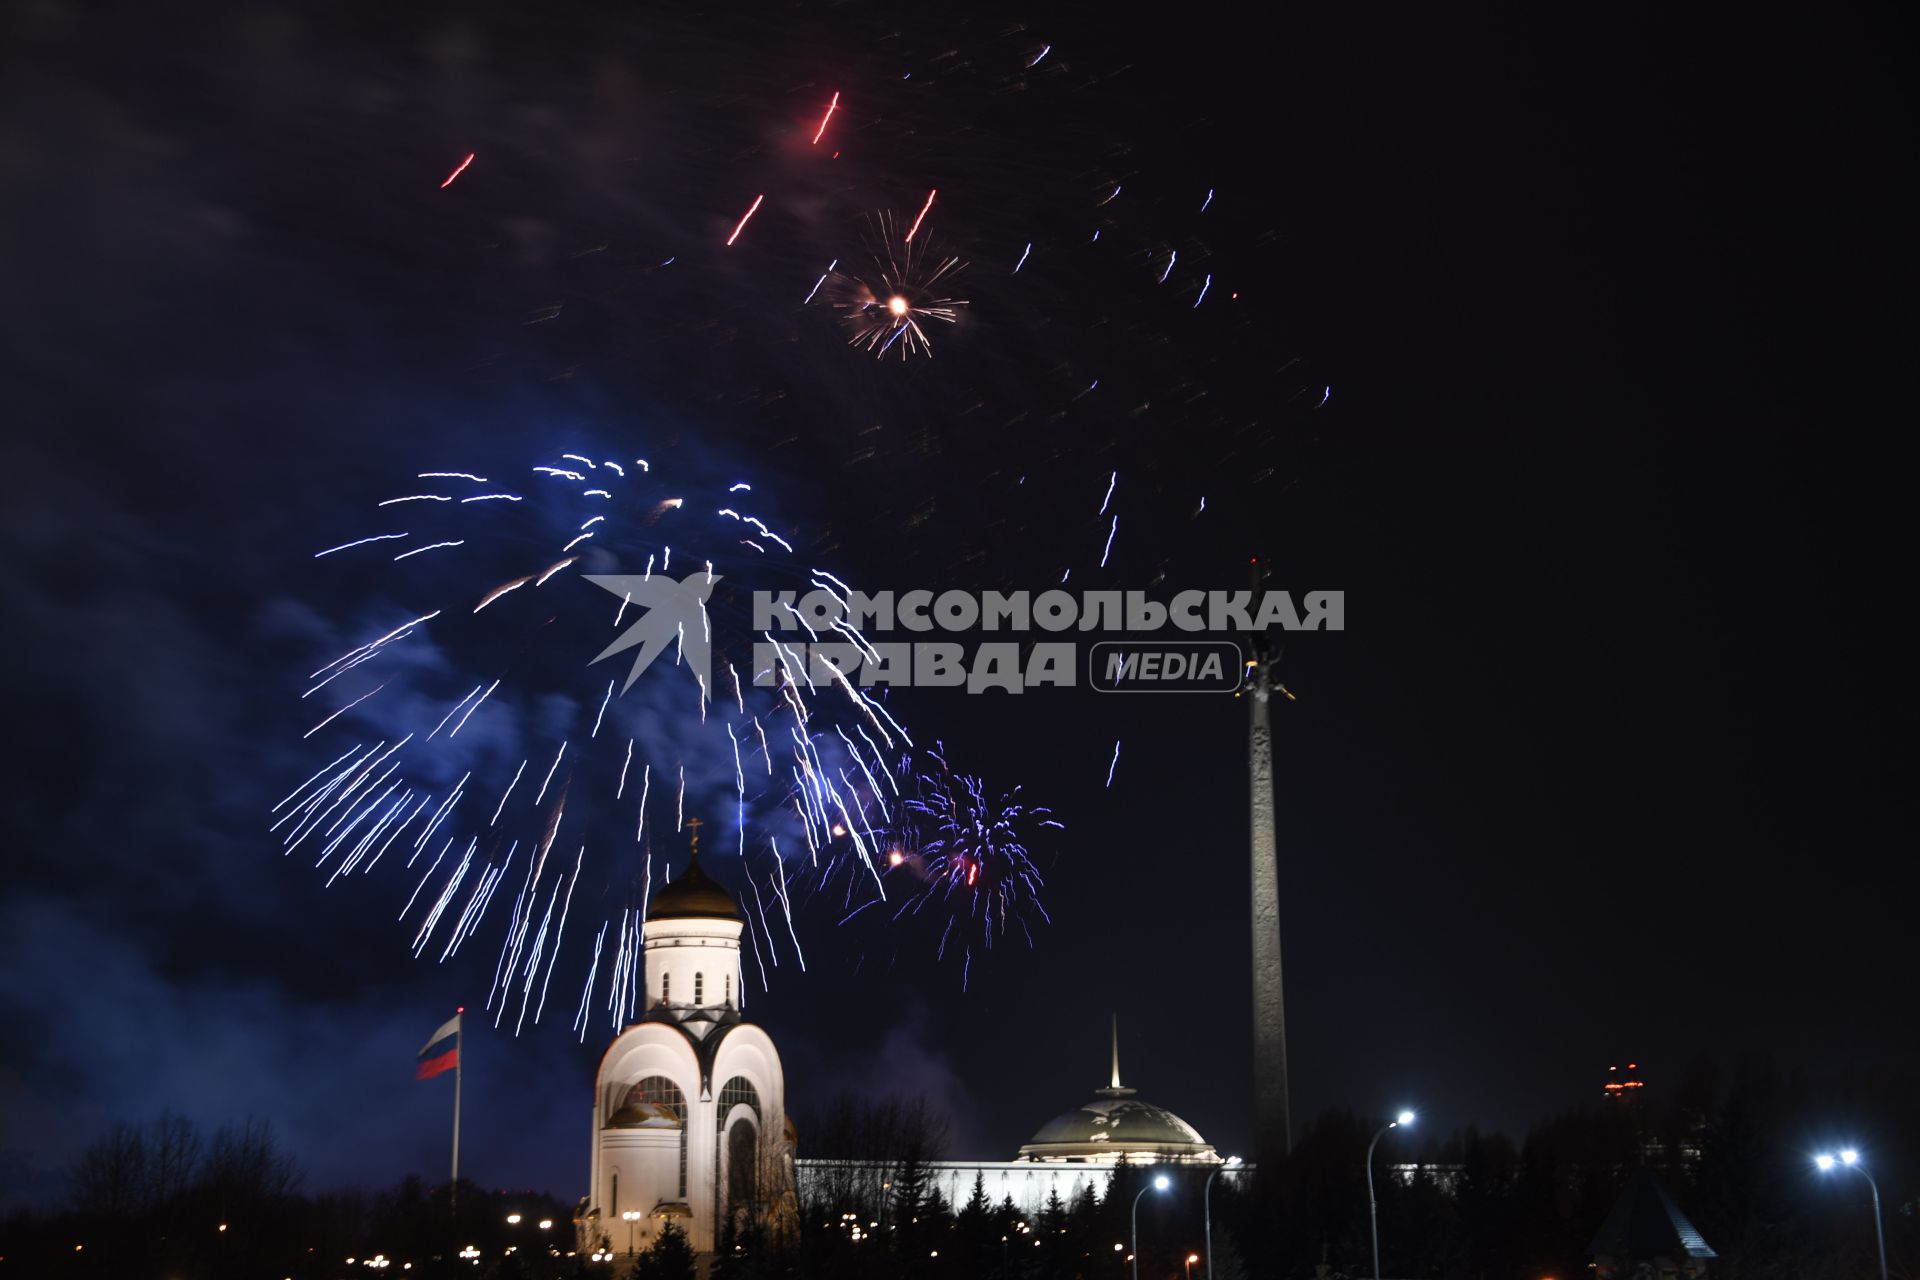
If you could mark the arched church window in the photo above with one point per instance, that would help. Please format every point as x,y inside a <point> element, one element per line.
<point>699,982</point>
<point>662,1096</point>
<point>740,1142</point>
<point>613,1200</point>
<point>726,988</point>
<point>666,987</point>
<point>743,1167</point>
<point>657,1093</point>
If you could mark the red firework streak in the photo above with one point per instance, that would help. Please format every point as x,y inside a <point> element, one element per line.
<point>831,108</point>
<point>458,170</point>
<point>741,225</point>
<point>923,214</point>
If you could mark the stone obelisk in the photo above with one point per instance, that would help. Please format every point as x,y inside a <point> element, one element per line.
<point>1273,1129</point>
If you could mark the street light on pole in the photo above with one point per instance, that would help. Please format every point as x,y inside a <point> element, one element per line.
<point>1373,1206</point>
<point>1191,1259</point>
<point>1159,1183</point>
<point>1850,1159</point>
<point>1206,1206</point>
<point>630,1217</point>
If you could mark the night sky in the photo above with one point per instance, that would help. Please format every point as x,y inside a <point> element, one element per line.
<point>1616,320</point>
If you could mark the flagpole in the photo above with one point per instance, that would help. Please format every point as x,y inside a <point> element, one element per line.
<point>453,1188</point>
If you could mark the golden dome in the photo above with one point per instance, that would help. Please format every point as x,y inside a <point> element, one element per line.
<point>692,895</point>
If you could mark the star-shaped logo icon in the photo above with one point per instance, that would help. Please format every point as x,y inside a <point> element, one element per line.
<point>672,612</point>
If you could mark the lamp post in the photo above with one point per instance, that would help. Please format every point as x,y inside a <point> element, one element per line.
<point>1850,1159</point>
<point>1159,1183</point>
<point>1206,1206</point>
<point>1191,1259</point>
<point>1373,1207</point>
<point>631,1216</point>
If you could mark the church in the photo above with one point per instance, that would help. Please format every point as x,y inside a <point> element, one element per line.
<point>689,1110</point>
<point>689,1104</point>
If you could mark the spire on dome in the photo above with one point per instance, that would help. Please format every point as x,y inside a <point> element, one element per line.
<point>1116,1089</point>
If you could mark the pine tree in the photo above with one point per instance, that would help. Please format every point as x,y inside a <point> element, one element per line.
<point>975,1239</point>
<point>668,1258</point>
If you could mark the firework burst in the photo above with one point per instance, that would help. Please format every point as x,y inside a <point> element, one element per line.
<point>472,744</point>
<point>903,289</point>
<point>965,851</point>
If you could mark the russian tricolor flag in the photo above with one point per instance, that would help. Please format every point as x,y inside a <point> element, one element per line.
<point>442,1051</point>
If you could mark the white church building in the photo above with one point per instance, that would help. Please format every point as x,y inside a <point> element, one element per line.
<point>689,1111</point>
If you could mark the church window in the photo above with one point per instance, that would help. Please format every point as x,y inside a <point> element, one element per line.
<point>613,1201</point>
<point>743,1171</point>
<point>666,987</point>
<point>739,1141</point>
<point>699,981</point>
<point>658,1091</point>
<point>726,987</point>
<point>664,1093</point>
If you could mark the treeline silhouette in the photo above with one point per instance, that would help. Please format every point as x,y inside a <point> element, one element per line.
<point>1733,1148</point>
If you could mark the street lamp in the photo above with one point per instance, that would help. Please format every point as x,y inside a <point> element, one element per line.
<point>1373,1207</point>
<point>1206,1205</point>
<point>1191,1259</point>
<point>630,1217</point>
<point>513,1219</point>
<point>1850,1159</point>
<point>1159,1183</point>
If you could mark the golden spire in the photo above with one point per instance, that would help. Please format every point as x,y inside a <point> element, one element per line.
<point>1116,1052</point>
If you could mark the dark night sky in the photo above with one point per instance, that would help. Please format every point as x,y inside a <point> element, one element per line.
<point>1617,319</point>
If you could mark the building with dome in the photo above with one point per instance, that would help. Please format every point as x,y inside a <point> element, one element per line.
<point>689,1109</point>
<point>1074,1151</point>
<point>1079,1149</point>
<point>1115,1124</point>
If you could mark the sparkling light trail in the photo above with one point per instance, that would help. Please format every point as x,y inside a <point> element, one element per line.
<point>831,108</point>
<point>458,170</point>
<point>742,224</point>
<point>923,213</point>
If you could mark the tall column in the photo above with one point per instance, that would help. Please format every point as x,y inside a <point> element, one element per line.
<point>1273,1131</point>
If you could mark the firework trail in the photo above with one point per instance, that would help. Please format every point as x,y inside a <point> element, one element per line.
<point>741,225</point>
<point>472,740</point>
<point>458,170</point>
<point>831,108</point>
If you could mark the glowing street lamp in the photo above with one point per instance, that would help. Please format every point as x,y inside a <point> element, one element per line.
<point>1191,1259</point>
<point>1850,1159</point>
<point>630,1217</point>
<point>1206,1205</point>
<point>1159,1183</point>
<point>1373,1207</point>
<point>513,1219</point>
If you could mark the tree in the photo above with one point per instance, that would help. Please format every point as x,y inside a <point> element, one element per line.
<point>669,1257</point>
